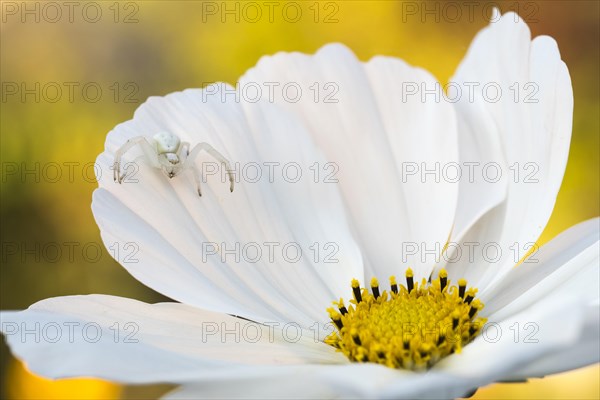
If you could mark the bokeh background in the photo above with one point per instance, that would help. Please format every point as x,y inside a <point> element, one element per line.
<point>138,49</point>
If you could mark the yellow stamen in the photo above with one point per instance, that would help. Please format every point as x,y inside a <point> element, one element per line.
<point>393,284</point>
<point>412,327</point>
<point>462,285</point>
<point>340,305</point>
<point>409,280</point>
<point>443,275</point>
<point>375,287</point>
<point>356,290</point>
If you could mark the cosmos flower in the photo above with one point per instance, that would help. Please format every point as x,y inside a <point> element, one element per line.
<point>260,327</point>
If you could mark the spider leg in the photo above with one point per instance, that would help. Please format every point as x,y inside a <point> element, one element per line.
<point>184,153</point>
<point>147,148</point>
<point>185,148</point>
<point>197,178</point>
<point>216,155</point>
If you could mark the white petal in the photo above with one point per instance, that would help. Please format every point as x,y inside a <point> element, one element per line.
<point>175,230</point>
<point>492,357</point>
<point>566,266</point>
<point>374,131</point>
<point>540,312</point>
<point>528,133</point>
<point>129,341</point>
<point>545,328</point>
<point>584,351</point>
<point>296,384</point>
<point>362,381</point>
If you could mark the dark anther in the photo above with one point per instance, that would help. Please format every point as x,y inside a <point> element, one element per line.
<point>461,291</point>
<point>357,294</point>
<point>441,339</point>
<point>443,282</point>
<point>410,283</point>
<point>375,290</point>
<point>472,312</point>
<point>338,322</point>
<point>395,288</point>
<point>469,299</point>
<point>343,310</point>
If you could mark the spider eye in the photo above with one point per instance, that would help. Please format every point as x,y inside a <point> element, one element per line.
<point>166,142</point>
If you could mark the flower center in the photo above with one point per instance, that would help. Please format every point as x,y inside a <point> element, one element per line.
<point>411,327</point>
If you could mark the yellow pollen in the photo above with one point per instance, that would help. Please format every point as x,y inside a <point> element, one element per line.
<point>411,327</point>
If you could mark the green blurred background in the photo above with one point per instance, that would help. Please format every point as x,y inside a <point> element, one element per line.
<point>132,50</point>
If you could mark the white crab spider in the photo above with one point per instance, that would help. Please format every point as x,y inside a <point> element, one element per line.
<point>167,152</point>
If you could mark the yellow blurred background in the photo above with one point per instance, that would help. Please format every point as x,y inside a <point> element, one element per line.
<point>72,72</point>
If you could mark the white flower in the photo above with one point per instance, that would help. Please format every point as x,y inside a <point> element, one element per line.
<point>372,132</point>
